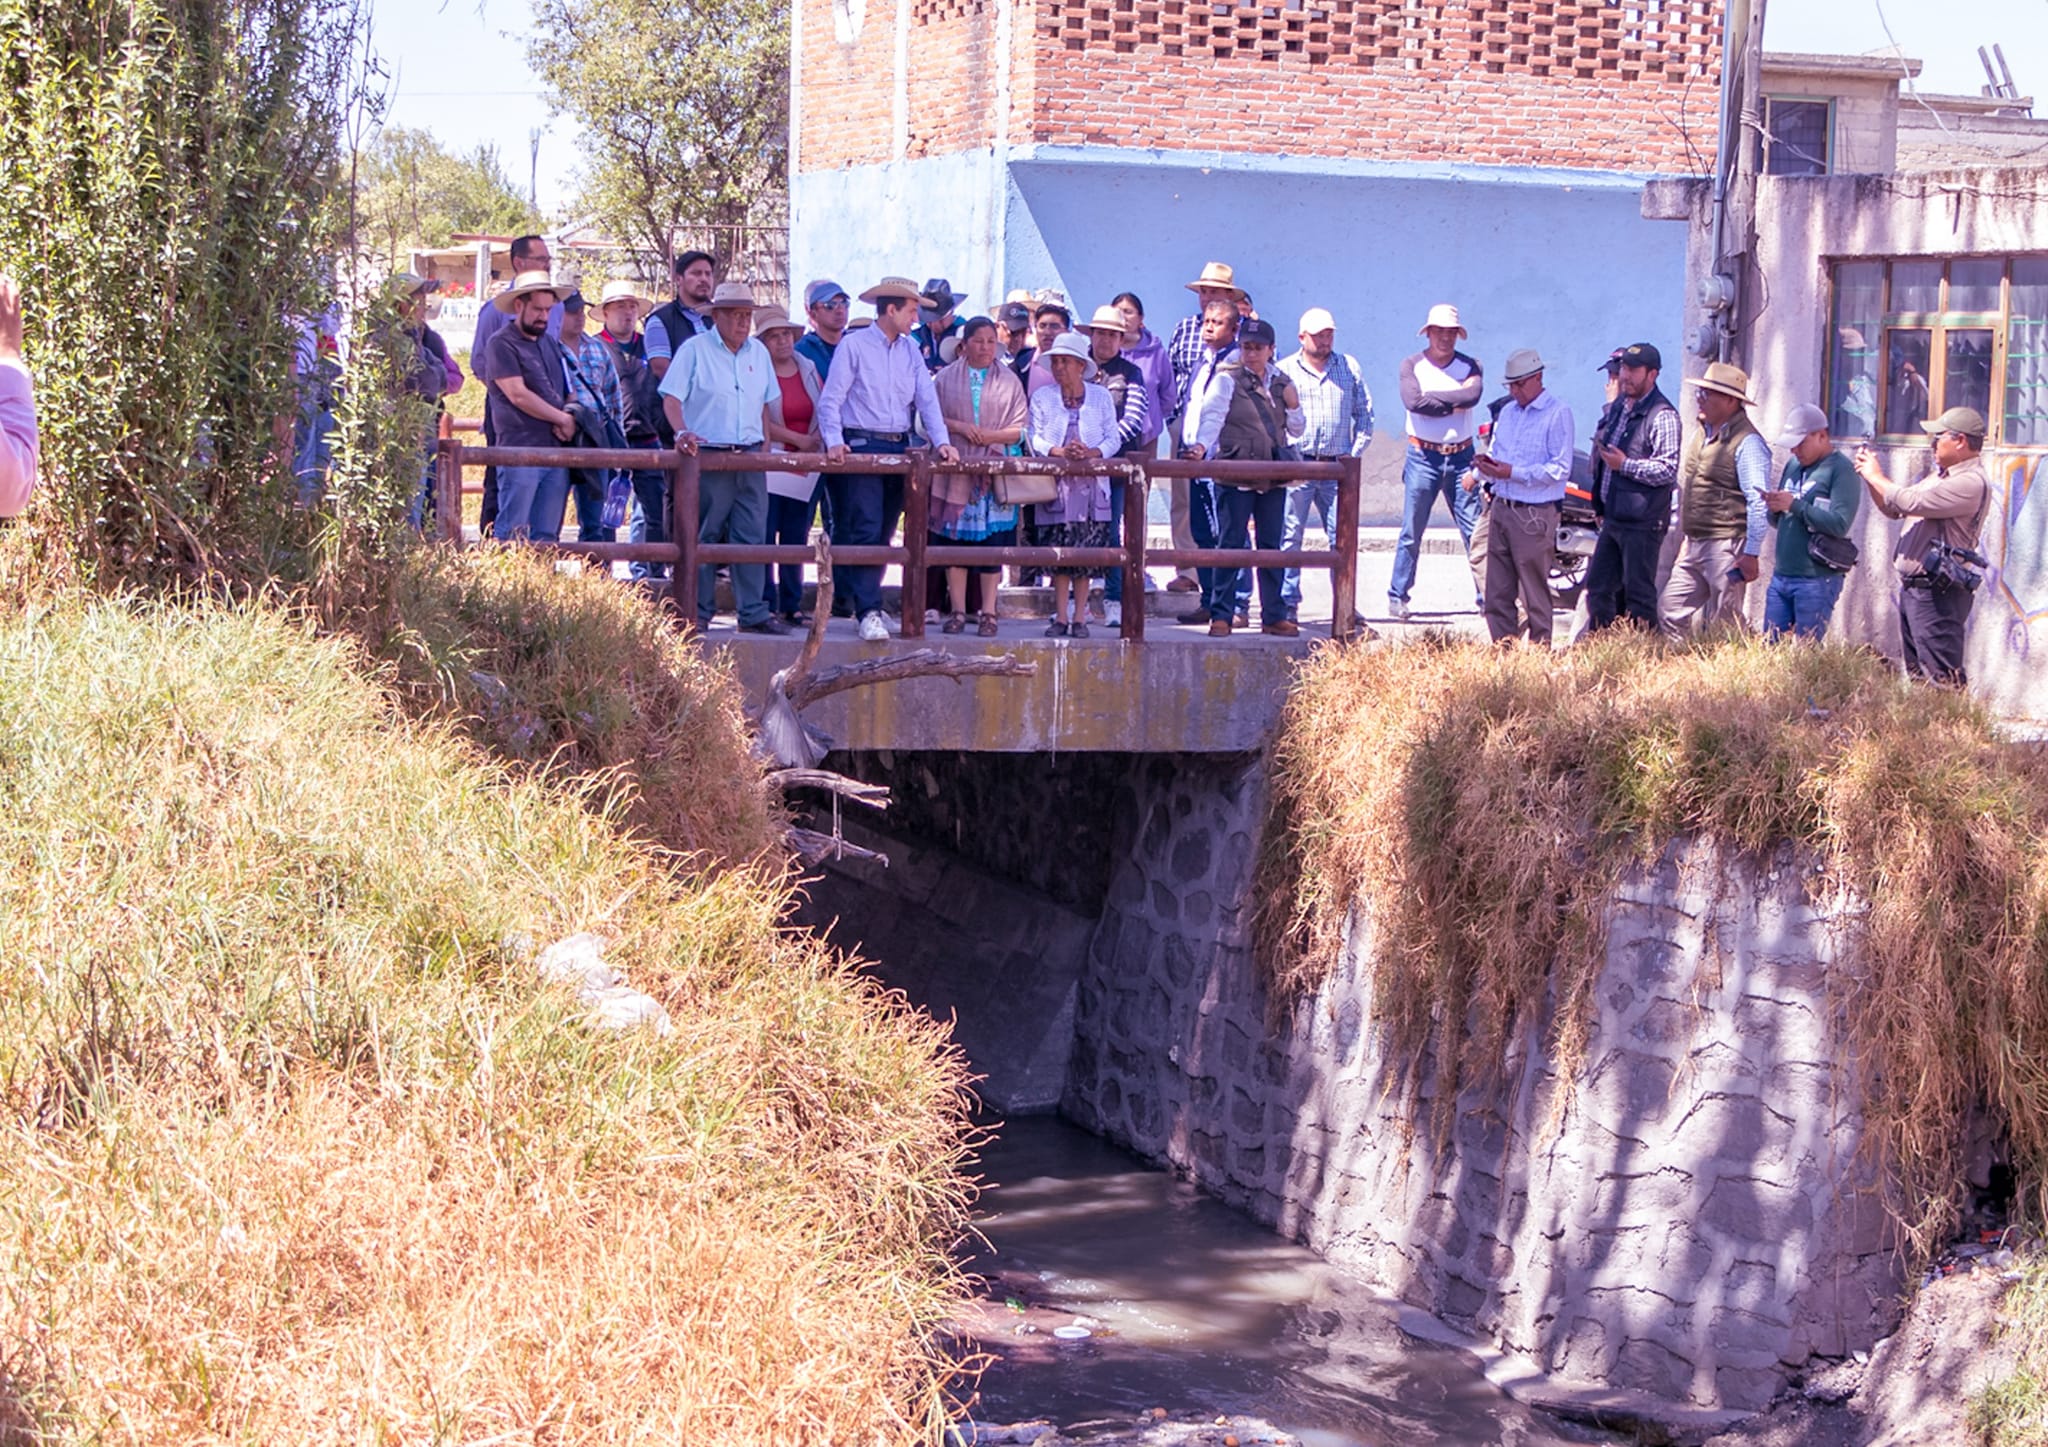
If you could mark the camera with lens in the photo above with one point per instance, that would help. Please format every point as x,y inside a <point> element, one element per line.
<point>1947,566</point>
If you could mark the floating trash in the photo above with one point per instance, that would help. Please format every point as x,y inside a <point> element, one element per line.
<point>1072,1333</point>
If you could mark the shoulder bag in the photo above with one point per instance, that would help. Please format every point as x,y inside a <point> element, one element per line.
<point>1825,549</point>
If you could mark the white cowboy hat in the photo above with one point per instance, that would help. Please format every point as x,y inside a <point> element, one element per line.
<point>1107,319</point>
<point>623,290</point>
<point>1070,344</point>
<point>895,288</point>
<point>736,295</point>
<point>523,286</point>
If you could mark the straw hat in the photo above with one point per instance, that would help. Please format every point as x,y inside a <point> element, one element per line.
<point>1727,379</point>
<point>768,318</point>
<point>1523,362</point>
<point>623,290</point>
<point>524,285</point>
<point>895,288</point>
<point>1106,319</point>
<point>411,283</point>
<point>1443,314</point>
<point>733,294</point>
<point>1216,273</point>
<point>1070,344</point>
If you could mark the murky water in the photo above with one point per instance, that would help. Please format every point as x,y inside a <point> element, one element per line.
<point>1195,1308</point>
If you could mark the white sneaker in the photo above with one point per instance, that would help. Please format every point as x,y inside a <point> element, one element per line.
<point>1112,615</point>
<point>1397,610</point>
<point>1151,583</point>
<point>873,629</point>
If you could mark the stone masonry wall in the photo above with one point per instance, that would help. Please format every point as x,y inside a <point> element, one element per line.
<point>1695,1227</point>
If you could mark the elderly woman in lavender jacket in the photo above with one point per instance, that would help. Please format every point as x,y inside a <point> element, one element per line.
<point>18,442</point>
<point>1073,418</point>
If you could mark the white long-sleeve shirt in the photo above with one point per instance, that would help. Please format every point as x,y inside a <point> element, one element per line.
<point>1209,402</point>
<point>20,447</point>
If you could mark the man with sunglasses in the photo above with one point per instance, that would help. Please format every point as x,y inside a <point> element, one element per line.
<point>1947,509</point>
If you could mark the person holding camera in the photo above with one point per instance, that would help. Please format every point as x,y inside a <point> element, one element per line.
<point>1947,509</point>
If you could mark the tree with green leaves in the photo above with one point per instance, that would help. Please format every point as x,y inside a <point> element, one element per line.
<point>412,191</point>
<point>684,106</point>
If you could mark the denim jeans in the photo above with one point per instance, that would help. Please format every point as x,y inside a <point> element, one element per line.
<point>1800,605</point>
<point>587,486</point>
<point>1205,525</point>
<point>865,509</point>
<point>649,522</point>
<point>1424,474</point>
<point>531,501</point>
<point>1113,585</point>
<point>1242,512</point>
<point>1303,499</point>
<point>789,522</point>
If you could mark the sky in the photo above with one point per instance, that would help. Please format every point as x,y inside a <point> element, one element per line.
<point>459,66</point>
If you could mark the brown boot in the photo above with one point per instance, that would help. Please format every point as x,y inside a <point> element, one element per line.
<point>1219,627</point>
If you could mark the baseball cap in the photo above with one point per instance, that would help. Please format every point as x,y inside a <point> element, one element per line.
<point>573,302</point>
<point>1315,319</point>
<point>819,291</point>
<point>1257,332</point>
<point>1966,420</point>
<point>1800,423</point>
<point>1014,314</point>
<point>1523,362</point>
<point>1613,362</point>
<point>1642,354</point>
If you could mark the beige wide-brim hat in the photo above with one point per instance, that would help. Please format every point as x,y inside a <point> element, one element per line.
<point>1443,314</point>
<point>1070,344</point>
<point>1727,379</point>
<point>733,296</point>
<point>625,291</point>
<point>768,318</point>
<point>1107,319</point>
<point>1217,274</point>
<point>895,288</point>
<point>524,285</point>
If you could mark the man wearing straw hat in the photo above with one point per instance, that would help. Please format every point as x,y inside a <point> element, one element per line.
<point>526,395</point>
<point>1440,387</point>
<point>878,381</point>
<point>646,425</point>
<point>1722,477</point>
<point>1187,353</point>
<point>717,392</point>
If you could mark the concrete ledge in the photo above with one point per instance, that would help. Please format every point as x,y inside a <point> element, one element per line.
<point>1164,696</point>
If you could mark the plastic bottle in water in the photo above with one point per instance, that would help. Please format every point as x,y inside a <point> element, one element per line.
<point>617,494</point>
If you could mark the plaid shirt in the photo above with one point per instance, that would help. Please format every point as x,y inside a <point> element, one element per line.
<point>1336,407</point>
<point>594,381</point>
<point>1657,464</point>
<point>1185,353</point>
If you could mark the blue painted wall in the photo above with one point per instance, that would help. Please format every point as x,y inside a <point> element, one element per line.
<point>1559,261</point>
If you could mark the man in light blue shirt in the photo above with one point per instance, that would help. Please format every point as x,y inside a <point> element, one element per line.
<point>1525,471</point>
<point>1336,413</point>
<point>716,392</point>
<point>878,380</point>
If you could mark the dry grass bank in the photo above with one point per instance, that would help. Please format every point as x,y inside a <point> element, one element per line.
<point>1485,802</point>
<point>293,1148</point>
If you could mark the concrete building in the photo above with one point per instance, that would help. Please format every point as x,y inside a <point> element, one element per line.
<point>1368,156</point>
<point>1890,293</point>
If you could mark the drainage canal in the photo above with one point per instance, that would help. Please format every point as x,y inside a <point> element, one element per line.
<point>1016,886</point>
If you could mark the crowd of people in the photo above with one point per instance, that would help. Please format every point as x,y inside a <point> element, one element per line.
<point>714,369</point>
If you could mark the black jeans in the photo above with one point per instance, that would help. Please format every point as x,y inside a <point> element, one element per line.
<point>488,513</point>
<point>1932,626</point>
<point>1621,579</point>
<point>865,508</point>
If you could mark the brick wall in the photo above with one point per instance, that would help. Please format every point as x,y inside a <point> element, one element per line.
<point>1622,86</point>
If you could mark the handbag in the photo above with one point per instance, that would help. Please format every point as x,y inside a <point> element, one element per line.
<point>1022,489</point>
<point>1825,549</point>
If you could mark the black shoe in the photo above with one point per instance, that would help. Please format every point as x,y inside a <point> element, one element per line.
<point>770,624</point>
<point>1200,616</point>
<point>797,620</point>
<point>1055,629</point>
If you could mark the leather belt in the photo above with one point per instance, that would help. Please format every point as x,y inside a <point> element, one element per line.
<point>728,447</point>
<point>862,434</point>
<point>1448,449</point>
<point>1326,457</point>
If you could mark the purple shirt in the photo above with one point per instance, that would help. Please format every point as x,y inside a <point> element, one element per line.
<point>1162,396</point>
<point>874,386</point>
<point>18,440</point>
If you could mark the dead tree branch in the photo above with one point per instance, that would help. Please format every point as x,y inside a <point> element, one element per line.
<point>815,848</point>
<point>875,796</point>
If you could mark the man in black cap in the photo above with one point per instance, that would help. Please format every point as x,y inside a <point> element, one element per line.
<point>939,322</point>
<point>1635,469</point>
<point>689,313</point>
<point>1246,413</point>
<point>1013,327</point>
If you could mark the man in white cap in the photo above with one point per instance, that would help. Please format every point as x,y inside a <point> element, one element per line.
<point>526,397</point>
<point>1934,555</point>
<point>1336,410</point>
<point>1440,388</point>
<point>1722,476</point>
<point>878,381</point>
<point>717,392</point>
<point>1816,498</point>
<point>1525,471</point>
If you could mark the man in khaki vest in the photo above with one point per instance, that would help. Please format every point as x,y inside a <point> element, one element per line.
<point>1722,478</point>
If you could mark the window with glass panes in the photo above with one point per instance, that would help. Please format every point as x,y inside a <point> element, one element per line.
<point>1916,336</point>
